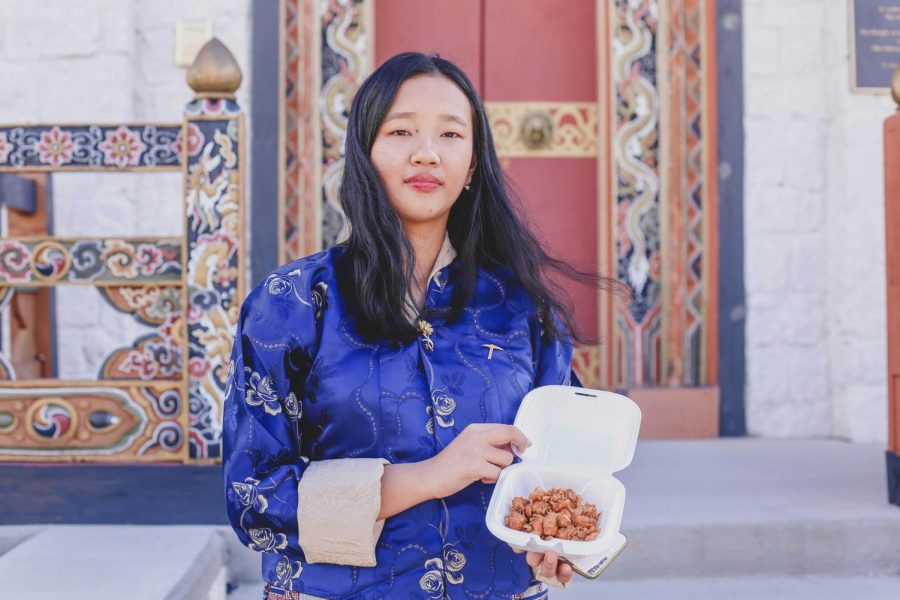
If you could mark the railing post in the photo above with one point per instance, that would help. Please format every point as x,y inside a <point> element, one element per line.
<point>892,247</point>
<point>213,154</point>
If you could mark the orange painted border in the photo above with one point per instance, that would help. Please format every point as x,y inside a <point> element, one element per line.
<point>605,208</point>
<point>892,248</point>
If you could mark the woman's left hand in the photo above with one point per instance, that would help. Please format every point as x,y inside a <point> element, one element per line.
<point>550,565</point>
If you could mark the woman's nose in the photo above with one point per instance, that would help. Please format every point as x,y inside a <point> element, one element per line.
<point>425,154</point>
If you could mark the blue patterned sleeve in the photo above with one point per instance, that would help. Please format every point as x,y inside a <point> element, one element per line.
<point>261,438</point>
<point>553,358</point>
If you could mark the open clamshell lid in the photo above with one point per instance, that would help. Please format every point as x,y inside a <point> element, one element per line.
<point>572,427</point>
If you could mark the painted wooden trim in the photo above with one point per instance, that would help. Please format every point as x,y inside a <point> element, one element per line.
<point>678,413</point>
<point>892,247</point>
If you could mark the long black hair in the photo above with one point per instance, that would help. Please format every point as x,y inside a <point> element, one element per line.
<point>486,225</point>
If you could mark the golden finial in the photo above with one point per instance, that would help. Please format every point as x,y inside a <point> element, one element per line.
<point>215,72</point>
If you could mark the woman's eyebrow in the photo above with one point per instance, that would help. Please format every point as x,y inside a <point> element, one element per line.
<point>409,115</point>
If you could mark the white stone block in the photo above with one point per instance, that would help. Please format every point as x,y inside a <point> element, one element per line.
<point>781,209</point>
<point>118,26</point>
<point>764,323</point>
<point>802,46</point>
<point>796,15</point>
<point>866,412</point>
<point>859,361</point>
<point>77,306</point>
<point>79,90</point>
<point>808,373</point>
<point>805,143</point>
<point>766,157</point>
<point>809,266</point>
<point>804,321</point>
<point>761,51</point>
<point>788,419</point>
<point>159,205</point>
<point>53,29</point>
<point>18,92</point>
<point>768,375</point>
<point>766,263</point>
<point>803,96</point>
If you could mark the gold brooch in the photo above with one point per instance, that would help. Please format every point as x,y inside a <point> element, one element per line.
<point>426,329</point>
<point>491,348</point>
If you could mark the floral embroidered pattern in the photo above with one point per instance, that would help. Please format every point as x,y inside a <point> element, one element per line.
<point>454,561</point>
<point>104,146</point>
<point>285,571</point>
<point>292,407</point>
<point>122,148</point>
<point>5,147</point>
<point>260,391</point>
<point>264,540</point>
<point>278,285</point>
<point>442,408</point>
<point>432,583</point>
<point>195,141</point>
<point>55,147</point>
<point>449,567</point>
<point>248,494</point>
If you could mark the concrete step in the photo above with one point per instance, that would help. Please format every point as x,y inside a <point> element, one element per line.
<point>703,588</point>
<point>705,519</point>
<point>748,507</point>
<point>103,562</point>
<point>738,588</point>
<point>706,588</point>
<point>742,508</point>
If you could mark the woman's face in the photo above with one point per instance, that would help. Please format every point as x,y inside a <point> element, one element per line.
<point>423,150</point>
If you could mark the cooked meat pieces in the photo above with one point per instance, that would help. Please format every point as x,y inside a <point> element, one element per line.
<point>557,512</point>
<point>515,520</point>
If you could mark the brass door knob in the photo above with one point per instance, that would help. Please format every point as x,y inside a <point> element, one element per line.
<point>537,130</point>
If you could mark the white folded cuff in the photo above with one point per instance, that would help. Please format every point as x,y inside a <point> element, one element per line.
<point>337,510</point>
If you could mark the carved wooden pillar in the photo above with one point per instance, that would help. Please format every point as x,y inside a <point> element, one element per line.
<point>213,158</point>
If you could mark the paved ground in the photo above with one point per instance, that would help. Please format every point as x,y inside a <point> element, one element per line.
<point>728,518</point>
<point>747,518</point>
<point>740,479</point>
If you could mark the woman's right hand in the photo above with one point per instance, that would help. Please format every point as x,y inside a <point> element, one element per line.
<point>478,453</point>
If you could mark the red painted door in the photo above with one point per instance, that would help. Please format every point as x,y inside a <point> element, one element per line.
<point>525,58</point>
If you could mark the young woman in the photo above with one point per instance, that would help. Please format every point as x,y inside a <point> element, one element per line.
<point>373,385</point>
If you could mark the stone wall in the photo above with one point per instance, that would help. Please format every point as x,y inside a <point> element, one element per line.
<point>106,61</point>
<point>814,228</point>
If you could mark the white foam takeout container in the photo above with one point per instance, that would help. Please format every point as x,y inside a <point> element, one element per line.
<point>579,438</point>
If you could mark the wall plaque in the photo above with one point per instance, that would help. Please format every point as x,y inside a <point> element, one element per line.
<point>874,44</point>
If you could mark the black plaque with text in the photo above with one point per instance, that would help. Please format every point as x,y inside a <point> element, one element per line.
<point>875,43</point>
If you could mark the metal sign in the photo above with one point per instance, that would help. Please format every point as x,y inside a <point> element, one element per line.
<point>874,44</point>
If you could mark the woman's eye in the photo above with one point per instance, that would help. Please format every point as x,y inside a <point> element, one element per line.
<point>399,132</point>
<point>452,133</point>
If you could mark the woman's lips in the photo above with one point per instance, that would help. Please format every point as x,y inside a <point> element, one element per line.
<point>423,186</point>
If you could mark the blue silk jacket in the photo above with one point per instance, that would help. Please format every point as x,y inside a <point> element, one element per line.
<point>304,386</point>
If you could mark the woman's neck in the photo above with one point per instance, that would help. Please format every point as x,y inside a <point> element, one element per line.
<point>427,242</point>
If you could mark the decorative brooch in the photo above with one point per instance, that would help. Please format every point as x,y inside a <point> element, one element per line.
<point>426,330</point>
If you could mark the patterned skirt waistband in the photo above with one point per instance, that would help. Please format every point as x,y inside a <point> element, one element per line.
<point>276,593</point>
<point>536,591</point>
